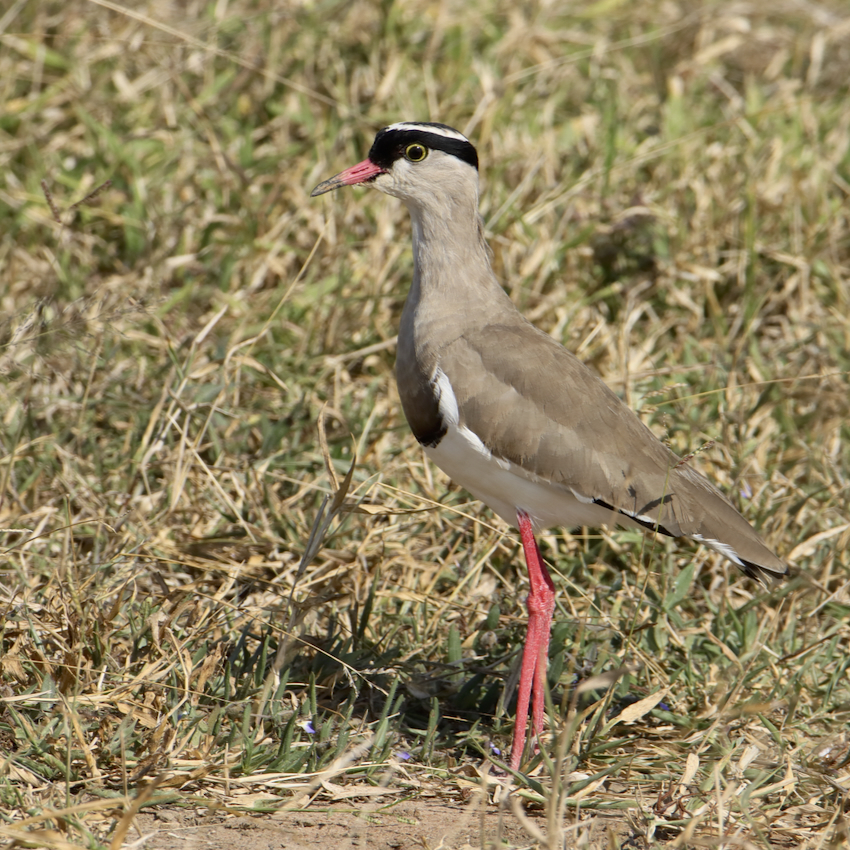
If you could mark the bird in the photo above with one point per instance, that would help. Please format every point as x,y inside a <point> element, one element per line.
<point>511,415</point>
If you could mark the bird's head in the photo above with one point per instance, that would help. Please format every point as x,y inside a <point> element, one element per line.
<point>417,163</point>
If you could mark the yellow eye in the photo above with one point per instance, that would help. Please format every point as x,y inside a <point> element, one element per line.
<point>415,152</point>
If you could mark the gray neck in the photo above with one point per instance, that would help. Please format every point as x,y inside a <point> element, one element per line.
<point>453,287</point>
<point>450,255</point>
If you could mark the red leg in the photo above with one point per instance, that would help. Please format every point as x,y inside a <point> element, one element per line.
<point>535,654</point>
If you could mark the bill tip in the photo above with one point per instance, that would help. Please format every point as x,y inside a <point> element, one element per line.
<point>324,186</point>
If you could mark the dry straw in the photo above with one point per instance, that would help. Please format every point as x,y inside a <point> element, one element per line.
<point>185,626</point>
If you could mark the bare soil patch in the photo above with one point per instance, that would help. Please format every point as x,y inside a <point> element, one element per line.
<point>412,823</point>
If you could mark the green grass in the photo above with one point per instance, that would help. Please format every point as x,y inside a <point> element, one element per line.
<point>194,594</point>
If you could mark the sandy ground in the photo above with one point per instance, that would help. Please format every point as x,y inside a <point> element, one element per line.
<point>423,823</point>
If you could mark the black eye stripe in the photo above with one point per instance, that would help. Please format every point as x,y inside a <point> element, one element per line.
<point>390,145</point>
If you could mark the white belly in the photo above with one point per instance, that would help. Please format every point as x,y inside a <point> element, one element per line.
<point>506,488</point>
<point>503,486</point>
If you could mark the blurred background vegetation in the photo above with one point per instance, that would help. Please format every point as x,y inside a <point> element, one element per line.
<point>194,355</point>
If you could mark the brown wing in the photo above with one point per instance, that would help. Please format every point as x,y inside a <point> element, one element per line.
<point>547,412</point>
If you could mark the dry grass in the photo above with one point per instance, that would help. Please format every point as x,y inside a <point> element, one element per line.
<point>666,189</point>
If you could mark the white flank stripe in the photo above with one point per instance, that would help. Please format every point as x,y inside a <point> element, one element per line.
<point>446,398</point>
<point>447,132</point>
<point>447,401</point>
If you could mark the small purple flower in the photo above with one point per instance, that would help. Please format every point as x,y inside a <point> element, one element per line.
<point>403,755</point>
<point>494,749</point>
<point>307,726</point>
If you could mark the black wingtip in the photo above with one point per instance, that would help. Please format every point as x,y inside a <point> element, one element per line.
<point>764,575</point>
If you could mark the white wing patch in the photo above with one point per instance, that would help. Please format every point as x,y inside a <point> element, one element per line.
<point>723,548</point>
